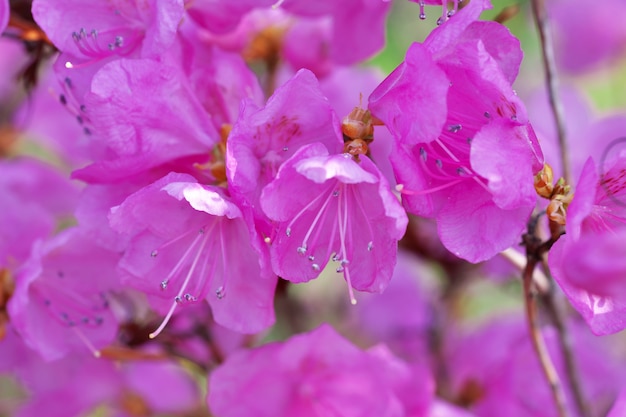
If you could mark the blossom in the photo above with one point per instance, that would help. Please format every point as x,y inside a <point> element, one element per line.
<point>503,371</point>
<point>343,208</point>
<point>60,303</point>
<point>126,107</point>
<point>318,373</point>
<point>296,115</point>
<point>587,37</point>
<point>34,198</point>
<point>459,157</point>
<point>189,243</point>
<point>99,29</point>
<point>589,261</point>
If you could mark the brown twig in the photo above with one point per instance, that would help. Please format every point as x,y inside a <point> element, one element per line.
<point>537,339</point>
<point>565,343</point>
<point>545,38</point>
<point>535,249</point>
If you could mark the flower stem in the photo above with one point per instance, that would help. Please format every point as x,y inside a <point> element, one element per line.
<point>530,298</point>
<point>545,38</point>
<point>571,370</point>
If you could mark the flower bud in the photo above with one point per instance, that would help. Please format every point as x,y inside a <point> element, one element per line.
<point>543,181</point>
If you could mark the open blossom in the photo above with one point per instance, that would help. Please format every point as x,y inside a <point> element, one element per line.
<point>589,261</point>
<point>296,115</point>
<point>309,375</point>
<point>126,107</point>
<point>467,158</point>
<point>342,208</point>
<point>189,243</point>
<point>60,304</point>
<point>91,31</point>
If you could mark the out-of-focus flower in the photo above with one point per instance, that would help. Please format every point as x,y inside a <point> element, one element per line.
<point>319,373</point>
<point>5,13</point>
<point>60,303</point>
<point>504,373</point>
<point>343,208</point>
<point>589,261</point>
<point>586,36</point>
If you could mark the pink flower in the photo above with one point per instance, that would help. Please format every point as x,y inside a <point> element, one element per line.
<point>190,243</point>
<point>141,120</point>
<point>341,208</point>
<point>100,29</point>
<point>296,115</point>
<point>314,374</point>
<point>60,302</point>
<point>587,37</point>
<point>467,158</point>
<point>589,261</point>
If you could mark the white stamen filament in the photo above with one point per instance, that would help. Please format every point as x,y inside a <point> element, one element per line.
<point>185,282</point>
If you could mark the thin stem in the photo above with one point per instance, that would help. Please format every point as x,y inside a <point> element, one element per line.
<point>530,298</point>
<point>545,37</point>
<point>565,342</point>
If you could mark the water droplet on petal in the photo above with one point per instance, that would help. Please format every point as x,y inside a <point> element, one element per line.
<point>189,297</point>
<point>311,258</point>
<point>335,258</point>
<point>154,253</point>
<point>339,269</point>
<point>288,231</point>
<point>370,246</point>
<point>178,299</point>
<point>336,193</point>
<point>439,163</point>
<point>487,115</point>
<point>439,21</point>
<point>315,267</point>
<point>301,249</point>
<point>163,285</point>
<point>220,293</point>
<point>285,149</point>
<point>423,154</point>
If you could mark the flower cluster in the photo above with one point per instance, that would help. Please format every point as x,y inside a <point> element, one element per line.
<point>178,166</point>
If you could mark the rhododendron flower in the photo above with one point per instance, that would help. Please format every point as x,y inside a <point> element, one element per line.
<point>589,261</point>
<point>126,107</point>
<point>460,158</point>
<point>342,208</point>
<point>503,371</point>
<point>190,243</point>
<point>586,37</point>
<point>100,28</point>
<point>60,303</point>
<point>314,374</point>
<point>296,115</point>
<point>34,197</point>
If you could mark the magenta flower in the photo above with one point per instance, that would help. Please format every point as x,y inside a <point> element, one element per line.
<point>60,302</point>
<point>222,16</point>
<point>34,197</point>
<point>99,29</point>
<point>589,261</point>
<point>587,37</point>
<point>190,243</point>
<point>342,208</point>
<point>296,115</point>
<point>126,107</point>
<point>503,371</point>
<point>460,158</point>
<point>314,374</point>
